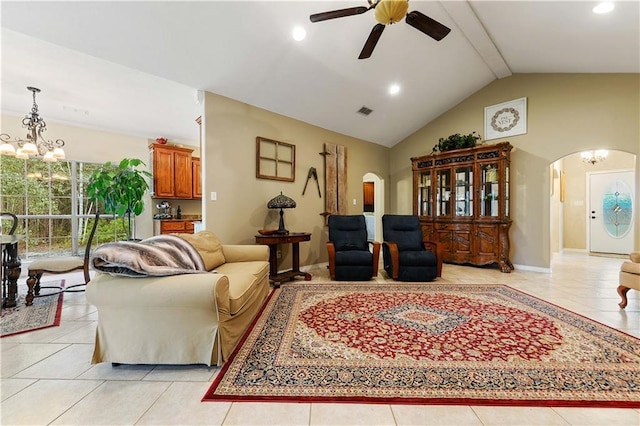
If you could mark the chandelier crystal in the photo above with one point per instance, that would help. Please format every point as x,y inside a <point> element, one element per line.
<point>35,143</point>
<point>594,156</point>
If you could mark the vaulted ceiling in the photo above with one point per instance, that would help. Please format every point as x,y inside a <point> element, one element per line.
<point>136,67</point>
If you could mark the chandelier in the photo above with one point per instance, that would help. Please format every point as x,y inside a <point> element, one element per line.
<point>35,144</point>
<point>594,156</point>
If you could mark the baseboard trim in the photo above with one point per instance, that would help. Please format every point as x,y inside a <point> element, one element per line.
<point>532,269</point>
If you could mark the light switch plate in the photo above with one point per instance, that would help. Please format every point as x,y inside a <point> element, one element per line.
<point>214,196</point>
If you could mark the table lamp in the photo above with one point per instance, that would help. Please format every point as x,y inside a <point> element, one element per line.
<point>281,202</point>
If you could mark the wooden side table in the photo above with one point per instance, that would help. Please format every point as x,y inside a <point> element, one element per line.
<point>293,238</point>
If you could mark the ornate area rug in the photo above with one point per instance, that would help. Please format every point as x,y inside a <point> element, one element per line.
<point>45,312</point>
<point>428,343</point>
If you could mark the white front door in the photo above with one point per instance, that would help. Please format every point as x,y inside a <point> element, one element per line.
<point>611,207</point>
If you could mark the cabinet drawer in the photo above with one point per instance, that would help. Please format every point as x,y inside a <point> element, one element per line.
<point>452,226</point>
<point>176,226</point>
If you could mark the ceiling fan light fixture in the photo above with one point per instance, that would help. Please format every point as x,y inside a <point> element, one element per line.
<point>391,11</point>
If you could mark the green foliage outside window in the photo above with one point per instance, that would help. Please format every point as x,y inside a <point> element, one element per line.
<point>47,197</point>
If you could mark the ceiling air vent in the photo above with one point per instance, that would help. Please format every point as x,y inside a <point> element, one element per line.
<point>365,111</point>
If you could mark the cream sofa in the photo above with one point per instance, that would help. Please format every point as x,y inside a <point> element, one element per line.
<point>629,277</point>
<point>181,319</point>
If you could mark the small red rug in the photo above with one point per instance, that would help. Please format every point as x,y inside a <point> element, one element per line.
<point>428,343</point>
<point>45,312</point>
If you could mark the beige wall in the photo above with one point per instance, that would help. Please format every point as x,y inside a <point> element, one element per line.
<point>567,113</point>
<point>229,167</point>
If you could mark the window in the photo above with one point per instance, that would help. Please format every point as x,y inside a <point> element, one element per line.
<point>52,207</point>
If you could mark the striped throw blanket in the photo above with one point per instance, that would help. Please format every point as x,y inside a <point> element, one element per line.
<point>156,256</point>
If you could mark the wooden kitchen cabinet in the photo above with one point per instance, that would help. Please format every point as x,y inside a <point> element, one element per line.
<point>462,199</point>
<point>196,173</point>
<point>172,172</point>
<point>176,226</point>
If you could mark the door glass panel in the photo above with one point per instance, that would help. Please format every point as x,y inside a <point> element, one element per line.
<point>464,191</point>
<point>443,196</point>
<point>617,209</point>
<point>489,190</point>
<point>424,194</point>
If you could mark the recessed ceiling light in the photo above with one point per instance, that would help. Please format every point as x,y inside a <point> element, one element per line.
<point>299,33</point>
<point>394,89</point>
<point>604,7</point>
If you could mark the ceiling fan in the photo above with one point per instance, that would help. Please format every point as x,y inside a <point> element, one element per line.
<point>387,12</point>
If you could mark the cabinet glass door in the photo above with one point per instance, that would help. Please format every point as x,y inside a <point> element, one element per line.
<point>443,196</point>
<point>424,194</point>
<point>506,193</point>
<point>489,190</point>
<point>464,191</point>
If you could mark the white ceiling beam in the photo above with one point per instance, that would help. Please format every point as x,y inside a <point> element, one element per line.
<point>467,21</point>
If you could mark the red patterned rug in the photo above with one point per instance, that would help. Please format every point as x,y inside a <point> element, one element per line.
<point>428,344</point>
<point>45,311</point>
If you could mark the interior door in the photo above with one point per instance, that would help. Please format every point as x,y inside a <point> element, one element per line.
<point>611,207</point>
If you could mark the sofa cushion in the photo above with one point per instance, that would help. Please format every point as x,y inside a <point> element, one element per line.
<point>635,256</point>
<point>209,247</point>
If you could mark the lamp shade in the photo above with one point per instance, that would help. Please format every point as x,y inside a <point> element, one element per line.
<point>281,202</point>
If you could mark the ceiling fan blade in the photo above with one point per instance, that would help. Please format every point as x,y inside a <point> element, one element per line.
<point>340,13</point>
<point>371,42</point>
<point>430,27</point>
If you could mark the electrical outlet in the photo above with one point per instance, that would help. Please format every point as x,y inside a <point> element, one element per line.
<point>278,254</point>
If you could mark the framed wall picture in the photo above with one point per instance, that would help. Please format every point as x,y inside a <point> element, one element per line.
<point>275,160</point>
<point>505,119</point>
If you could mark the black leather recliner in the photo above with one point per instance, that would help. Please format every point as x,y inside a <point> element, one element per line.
<point>349,256</point>
<point>405,253</point>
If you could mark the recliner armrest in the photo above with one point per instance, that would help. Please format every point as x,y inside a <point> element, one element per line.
<point>331,252</point>
<point>376,256</point>
<point>435,247</point>
<point>395,258</point>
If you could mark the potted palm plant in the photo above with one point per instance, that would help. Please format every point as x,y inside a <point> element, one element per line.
<point>121,187</point>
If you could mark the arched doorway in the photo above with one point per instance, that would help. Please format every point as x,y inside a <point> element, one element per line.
<point>572,202</point>
<point>373,204</point>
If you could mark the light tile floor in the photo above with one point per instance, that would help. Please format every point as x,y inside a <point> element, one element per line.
<point>47,377</point>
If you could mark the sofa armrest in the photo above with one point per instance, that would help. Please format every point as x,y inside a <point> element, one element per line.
<point>205,291</point>
<point>245,253</point>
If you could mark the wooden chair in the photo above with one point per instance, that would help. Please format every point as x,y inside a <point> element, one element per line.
<point>60,265</point>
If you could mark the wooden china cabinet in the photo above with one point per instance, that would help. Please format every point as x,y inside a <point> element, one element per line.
<point>462,199</point>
